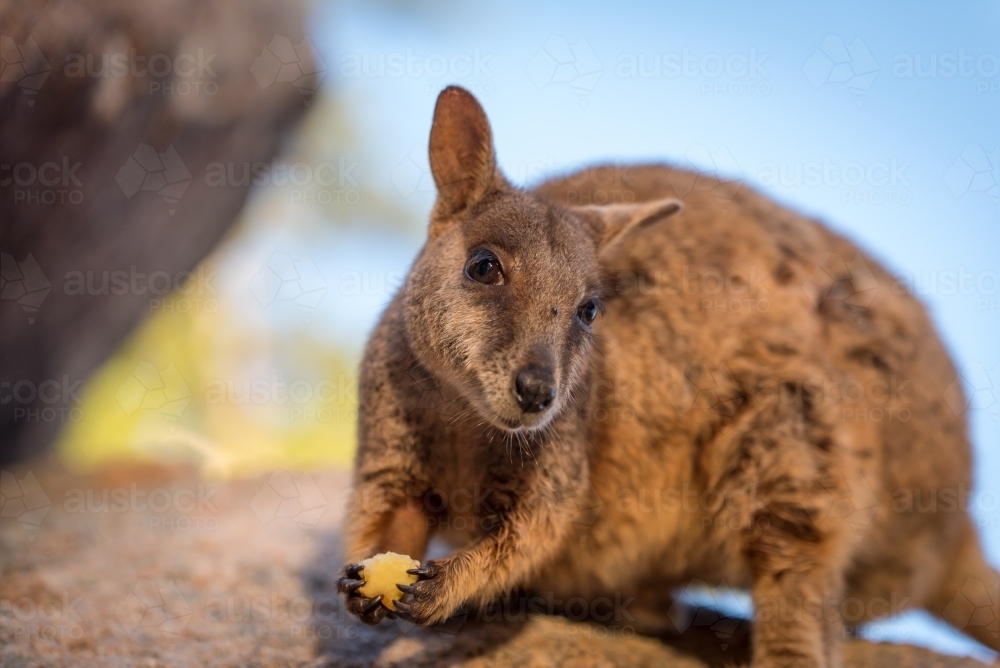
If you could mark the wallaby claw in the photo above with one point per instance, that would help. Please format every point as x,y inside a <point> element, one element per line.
<point>372,604</point>
<point>347,585</point>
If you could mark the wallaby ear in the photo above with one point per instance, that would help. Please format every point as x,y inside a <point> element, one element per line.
<point>611,223</point>
<point>461,152</point>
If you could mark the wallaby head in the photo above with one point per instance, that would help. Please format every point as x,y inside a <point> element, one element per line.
<point>502,301</point>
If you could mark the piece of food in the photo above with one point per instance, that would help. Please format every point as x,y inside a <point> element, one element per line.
<point>383,572</point>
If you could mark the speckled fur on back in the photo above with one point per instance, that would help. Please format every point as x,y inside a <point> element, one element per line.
<point>761,405</point>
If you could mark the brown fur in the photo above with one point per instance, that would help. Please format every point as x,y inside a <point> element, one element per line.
<point>708,442</point>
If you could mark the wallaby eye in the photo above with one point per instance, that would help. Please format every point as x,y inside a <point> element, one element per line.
<point>587,312</point>
<point>484,267</point>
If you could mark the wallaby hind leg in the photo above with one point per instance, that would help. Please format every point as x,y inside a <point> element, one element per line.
<point>969,596</point>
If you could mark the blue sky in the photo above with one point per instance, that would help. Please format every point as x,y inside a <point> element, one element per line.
<point>889,113</point>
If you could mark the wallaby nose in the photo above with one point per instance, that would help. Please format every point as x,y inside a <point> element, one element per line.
<point>535,389</point>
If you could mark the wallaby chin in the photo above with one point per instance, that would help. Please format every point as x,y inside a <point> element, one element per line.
<point>661,436</point>
<point>525,424</point>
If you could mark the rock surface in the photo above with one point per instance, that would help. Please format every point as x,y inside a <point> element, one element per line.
<point>150,566</point>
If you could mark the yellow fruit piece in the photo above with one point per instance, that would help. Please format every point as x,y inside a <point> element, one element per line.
<point>383,572</point>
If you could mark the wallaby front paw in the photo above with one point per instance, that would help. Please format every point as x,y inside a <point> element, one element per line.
<point>368,610</point>
<point>425,602</point>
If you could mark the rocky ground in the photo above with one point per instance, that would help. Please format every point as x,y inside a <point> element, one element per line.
<point>151,566</point>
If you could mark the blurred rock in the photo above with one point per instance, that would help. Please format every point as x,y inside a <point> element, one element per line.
<point>148,565</point>
<point>114,116</point>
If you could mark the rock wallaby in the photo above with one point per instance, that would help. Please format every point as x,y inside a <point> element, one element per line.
<point>628,379</point>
